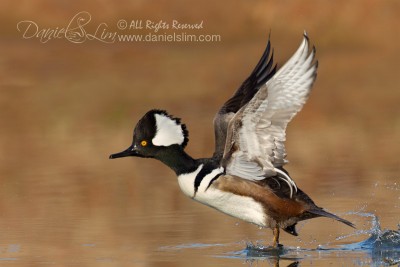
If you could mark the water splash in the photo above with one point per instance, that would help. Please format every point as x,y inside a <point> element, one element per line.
<point>382,246</point>
<point>378,238</point>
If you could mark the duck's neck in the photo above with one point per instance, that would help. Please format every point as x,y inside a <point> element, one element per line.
<point>177,159</point>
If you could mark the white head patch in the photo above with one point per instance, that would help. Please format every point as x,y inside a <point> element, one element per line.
<point>169,132</point>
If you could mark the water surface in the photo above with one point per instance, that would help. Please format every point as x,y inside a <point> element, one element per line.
<point>65,107</point>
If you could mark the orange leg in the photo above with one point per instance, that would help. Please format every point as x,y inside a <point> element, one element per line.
<point>276,236</point>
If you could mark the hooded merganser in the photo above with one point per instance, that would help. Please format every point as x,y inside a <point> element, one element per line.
<point>245,177</point>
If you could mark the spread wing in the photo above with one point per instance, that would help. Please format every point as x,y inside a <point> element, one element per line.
<point>254,147</point>
<point>260,75</point>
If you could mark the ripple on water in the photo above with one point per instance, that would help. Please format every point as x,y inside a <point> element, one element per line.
<point>382,246</point>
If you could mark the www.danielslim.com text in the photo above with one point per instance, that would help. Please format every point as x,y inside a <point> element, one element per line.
<point>173,37</point>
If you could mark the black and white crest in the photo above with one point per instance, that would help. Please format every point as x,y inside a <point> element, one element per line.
<point>163,129</point>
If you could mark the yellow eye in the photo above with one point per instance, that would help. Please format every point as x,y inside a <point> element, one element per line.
<point>143,143</point>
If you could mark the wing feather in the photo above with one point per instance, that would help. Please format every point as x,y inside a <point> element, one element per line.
<point>262,72</point>
<point>256,133</point>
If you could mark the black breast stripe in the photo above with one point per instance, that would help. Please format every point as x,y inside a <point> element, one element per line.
<point>200,176</point>
<point>207,169</point>
<point>213,179</point>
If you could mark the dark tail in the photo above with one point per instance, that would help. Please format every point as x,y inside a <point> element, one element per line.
<point>322,213</point>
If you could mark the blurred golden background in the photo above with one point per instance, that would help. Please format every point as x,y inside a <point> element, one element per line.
<point>65,107</point>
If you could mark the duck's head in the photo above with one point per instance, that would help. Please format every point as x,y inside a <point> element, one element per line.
<point>155,132</point>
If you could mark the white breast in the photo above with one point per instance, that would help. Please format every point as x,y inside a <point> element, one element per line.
<point>244,208</point>
<point>186,182</point>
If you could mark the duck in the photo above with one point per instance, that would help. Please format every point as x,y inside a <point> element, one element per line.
<point>245,177</point>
